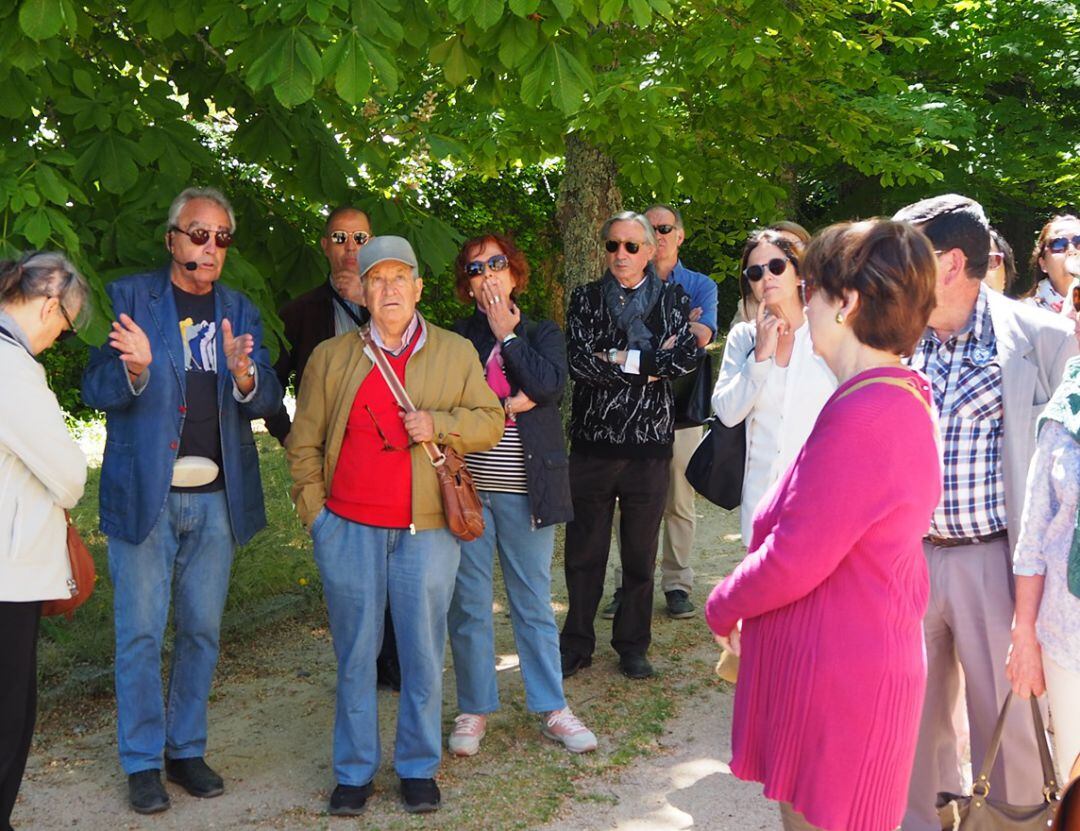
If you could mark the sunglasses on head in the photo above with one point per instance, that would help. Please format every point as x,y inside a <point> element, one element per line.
<point>200,236</point>
<point>612,245</point>
<point>359,237</point>
<point>496,263</point>
<point>664,229</point>
<point>1059,245</point>
<point>994,260</point>
<point>777,265</point>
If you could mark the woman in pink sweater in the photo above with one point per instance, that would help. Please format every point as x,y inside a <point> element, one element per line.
<point>831,596</point>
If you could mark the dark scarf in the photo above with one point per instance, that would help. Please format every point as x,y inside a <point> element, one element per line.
<point>630,309</point>
<point>1064,408</point>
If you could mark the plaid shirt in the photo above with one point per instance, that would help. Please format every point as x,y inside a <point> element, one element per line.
<point>965,374</point>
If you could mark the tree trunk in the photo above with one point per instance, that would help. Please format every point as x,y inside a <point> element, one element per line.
<point>588,195</point>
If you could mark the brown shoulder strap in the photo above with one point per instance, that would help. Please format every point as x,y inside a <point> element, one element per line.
<point>903,383</point>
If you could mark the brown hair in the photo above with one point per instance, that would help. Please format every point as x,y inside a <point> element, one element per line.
<point>1040,248</point>
<point>786,226</point>
<point>756,238</point>
<point>519,266</point>
<point>892,267</point>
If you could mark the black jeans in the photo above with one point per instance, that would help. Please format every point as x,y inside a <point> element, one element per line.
<point>641,486</point>
<point>18,698</point>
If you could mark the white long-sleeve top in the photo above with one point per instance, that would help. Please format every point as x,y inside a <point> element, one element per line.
<point>779,405</point>
<point>42,472</point>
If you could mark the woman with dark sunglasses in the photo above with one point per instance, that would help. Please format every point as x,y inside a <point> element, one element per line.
<point>770,377</point>
<point>42,473</point>
<point>1055,262</point>
<point>524,485</point>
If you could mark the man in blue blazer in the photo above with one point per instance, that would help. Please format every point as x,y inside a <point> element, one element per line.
<point>183,374</point>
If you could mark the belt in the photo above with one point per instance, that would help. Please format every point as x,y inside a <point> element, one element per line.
<point>952,542</point>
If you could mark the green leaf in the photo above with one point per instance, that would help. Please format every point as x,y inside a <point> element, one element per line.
<point>266,68</point>
<point>384,67</point>
<point>642,12</point>
<point>49,184</point>
<point>35,226</point>
<point>488,12</point>
<point>610,10</point>
<point>455,67</point>
<point>565,8</point>
<point>160,23</point>
<point>523,8</point>
<point>41,19</point>
<point>353,78</point>
<point>231,26</point>
<point>110,159</point>
<point>516,43</point>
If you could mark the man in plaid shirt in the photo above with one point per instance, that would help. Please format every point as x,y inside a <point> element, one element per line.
<point>993,363</point>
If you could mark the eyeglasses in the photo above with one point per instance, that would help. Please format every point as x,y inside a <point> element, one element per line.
<point>612,245</point>
<point>200,236</point>
<point>496,263</point>
<point>387,445</point>
<point>1059,245</point>
<point>70,331</point>
<point>359,237</point>
<point>994,260</point>
<point>664,229</point>
<point>777,265</point>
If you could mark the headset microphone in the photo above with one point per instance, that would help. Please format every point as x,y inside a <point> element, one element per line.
<point>191,266</point>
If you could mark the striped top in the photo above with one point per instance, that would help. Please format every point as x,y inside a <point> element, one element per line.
<point>502,468</point>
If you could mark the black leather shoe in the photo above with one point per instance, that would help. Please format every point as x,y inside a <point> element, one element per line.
<point>573,661</point>
<point>420,796</point>
<point>679,605</point>
<point>194,776</point>
<point>146,793</point>
<point>349,800</point>
<point>635,666</point>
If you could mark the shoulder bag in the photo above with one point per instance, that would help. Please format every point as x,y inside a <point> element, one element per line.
<point>461,503</point>
<point>717,468</point>
<point>1068,812</point>
<point>81,582</point>
<point>693,394</point>
<point>979,812</point>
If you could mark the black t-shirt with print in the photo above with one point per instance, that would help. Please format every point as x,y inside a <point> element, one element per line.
<point>201,435</point>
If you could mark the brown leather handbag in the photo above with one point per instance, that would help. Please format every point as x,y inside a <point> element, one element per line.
<point>979,812</point>
<point>81,582</point>
<point>461,503</point>
<point>1068,812</point>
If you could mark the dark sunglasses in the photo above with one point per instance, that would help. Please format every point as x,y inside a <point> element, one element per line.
<point>496,263</point>
<point>776,265</point>
<point>1059,245</point>
<point>359,237</point>
<point>71,331</point>
<point>200,236</point>
<point>663,229</point>
<point>612,245</point>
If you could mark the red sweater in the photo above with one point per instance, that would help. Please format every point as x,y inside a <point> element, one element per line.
<point>372,484</point>
<point>832,595</point>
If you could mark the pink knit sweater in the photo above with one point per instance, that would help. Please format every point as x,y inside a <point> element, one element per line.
<point>832,595</point>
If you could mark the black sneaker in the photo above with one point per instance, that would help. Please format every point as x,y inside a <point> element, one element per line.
<point>349,800</point>
<point>420,796</point>
<point>635,666</point>
<point>679,605</point>
<point>194,776</point>
<point>146,793</point>
<point>608,612</point>
<point>573,661</point>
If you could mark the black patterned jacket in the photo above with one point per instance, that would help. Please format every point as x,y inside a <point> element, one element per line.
<point>614,413</point>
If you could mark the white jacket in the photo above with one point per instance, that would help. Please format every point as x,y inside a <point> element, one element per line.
<point>736,398</point>
<point>42,472</point>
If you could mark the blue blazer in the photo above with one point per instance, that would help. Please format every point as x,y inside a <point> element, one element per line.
<point>143,430</point>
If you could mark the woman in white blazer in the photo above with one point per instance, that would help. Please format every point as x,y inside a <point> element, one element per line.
<point>42,472</point>
<point>770,376</point>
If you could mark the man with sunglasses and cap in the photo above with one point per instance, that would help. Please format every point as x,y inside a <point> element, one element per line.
<point>368,492</point>
<point>183,374</point>
<point>628,335</point>
<point>680,516</point>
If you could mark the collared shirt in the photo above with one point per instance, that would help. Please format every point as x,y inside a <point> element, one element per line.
<point>965,374</point>
<point>701,289</point>
<point>343,321</point>
<point>406,338</point>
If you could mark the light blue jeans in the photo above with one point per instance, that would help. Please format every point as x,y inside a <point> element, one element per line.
<point>525,557</point>
<point>188,554</point>
<point>360,566</point>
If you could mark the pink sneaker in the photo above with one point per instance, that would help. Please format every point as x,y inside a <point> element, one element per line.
<point>566,728</point>
<point>468,730</point>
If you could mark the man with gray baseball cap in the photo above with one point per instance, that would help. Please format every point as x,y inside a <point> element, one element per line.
<point>366,490</point>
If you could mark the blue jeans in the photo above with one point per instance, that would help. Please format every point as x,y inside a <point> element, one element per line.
<point>188,554</point>
<point>360,566</point>
<point>525,557</point>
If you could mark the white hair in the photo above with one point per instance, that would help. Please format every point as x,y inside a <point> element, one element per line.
<point>188,194</point>
<point>630,216</point>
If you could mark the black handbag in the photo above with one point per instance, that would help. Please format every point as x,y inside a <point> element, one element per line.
<point>693,394</point>
<point>718,465</point>
<point>979,812</point>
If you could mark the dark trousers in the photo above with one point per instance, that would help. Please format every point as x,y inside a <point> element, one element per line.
<point>641,487</point>
<point>18,697</point>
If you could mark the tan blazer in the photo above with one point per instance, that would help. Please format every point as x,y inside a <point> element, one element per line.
<point>443,376</point>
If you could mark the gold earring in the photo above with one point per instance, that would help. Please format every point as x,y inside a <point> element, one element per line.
<point>840,318</point>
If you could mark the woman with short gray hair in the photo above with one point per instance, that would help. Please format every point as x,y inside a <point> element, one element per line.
<point>42,473</point>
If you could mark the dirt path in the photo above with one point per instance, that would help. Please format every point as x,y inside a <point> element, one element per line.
<point>271,716</point>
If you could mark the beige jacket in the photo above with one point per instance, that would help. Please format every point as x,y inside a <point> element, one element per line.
<point>443,376</point>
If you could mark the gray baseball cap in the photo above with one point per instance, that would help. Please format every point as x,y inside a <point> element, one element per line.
<point>380,249</point>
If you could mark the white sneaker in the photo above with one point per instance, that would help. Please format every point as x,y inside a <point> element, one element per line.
<point>468,730</point>
<point>566,728</point>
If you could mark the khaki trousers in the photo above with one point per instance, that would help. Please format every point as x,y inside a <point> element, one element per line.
<point>680,518</point>
<point>968,624</point>
<point>1063,694</point>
